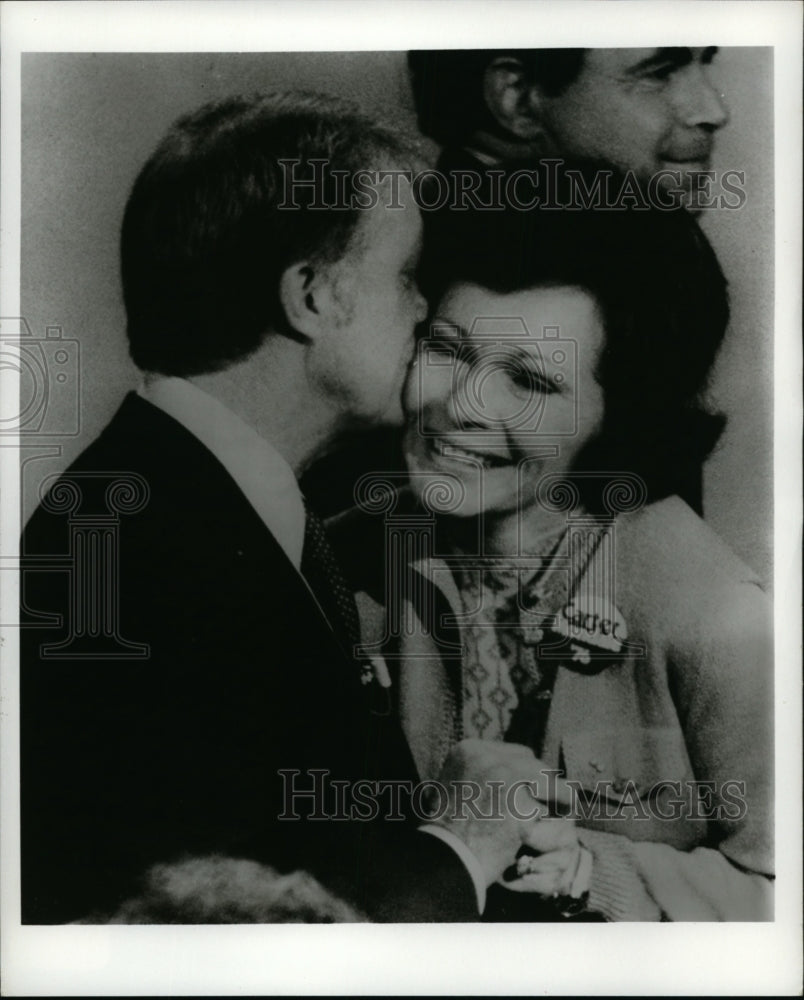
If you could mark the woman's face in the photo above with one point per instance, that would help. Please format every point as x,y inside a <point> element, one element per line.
<point>504,391</point>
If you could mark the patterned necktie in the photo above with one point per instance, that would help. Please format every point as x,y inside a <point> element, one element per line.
<point>320,569</point>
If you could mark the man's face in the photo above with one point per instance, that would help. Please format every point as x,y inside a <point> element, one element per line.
<point>379,306</point>
<point>646,110</point>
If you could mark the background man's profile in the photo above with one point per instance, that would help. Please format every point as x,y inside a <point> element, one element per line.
<point>650,111</point>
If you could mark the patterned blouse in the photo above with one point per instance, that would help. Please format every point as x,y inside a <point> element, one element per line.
<point>507,684</point>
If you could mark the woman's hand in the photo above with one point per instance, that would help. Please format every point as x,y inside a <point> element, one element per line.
<point>552,870</point>
<point>495,827</point>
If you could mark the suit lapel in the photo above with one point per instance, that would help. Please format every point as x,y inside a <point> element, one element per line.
<point>187,476</point>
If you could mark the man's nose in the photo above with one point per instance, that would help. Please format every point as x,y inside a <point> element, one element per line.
<point>430,380</point>
<point>420,312</point>
<point>699,103</point>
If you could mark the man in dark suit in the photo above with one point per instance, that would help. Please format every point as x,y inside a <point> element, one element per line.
<point>189,683</point>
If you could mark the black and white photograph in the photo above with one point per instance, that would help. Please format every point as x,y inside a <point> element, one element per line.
<point>401,426</point>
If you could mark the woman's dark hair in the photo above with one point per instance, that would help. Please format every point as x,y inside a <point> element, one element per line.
<point>447,85</point>
<point>664,303</point>
<point>212,222</point>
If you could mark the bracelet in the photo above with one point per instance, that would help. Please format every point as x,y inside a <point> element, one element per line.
<point>570,906</point>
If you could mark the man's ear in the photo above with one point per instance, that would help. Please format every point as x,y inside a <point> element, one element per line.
<point>511,98</point>
<point>305,295</point>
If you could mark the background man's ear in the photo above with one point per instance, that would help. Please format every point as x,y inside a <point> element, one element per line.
<point>305,296</point>
<point>511,98</point>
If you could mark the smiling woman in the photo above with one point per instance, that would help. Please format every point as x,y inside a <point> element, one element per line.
<point>556,411</point>
<point>512,409</point>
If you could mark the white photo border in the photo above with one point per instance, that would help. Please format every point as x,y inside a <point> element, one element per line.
<point>625,959</point>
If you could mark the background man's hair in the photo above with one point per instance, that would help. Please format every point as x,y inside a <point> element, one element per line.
<point>448,85</point>
<point>664,303</point>
<point>204,240</point>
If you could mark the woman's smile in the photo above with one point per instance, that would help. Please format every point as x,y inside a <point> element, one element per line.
<point>449,449</point>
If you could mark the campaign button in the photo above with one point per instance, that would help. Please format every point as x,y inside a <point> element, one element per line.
<point>594,622</point>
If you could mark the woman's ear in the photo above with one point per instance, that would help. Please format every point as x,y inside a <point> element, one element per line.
<point>512,100</point>
<point>305,296</point>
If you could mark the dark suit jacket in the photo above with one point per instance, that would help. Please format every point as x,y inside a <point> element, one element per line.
<point>130,761</point>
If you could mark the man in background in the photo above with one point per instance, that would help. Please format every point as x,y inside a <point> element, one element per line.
<point>654,112</point>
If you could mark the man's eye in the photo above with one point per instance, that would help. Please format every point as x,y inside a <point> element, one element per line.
<point>661,73</point>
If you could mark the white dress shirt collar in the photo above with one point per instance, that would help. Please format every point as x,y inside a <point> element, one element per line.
<point>263,475</point>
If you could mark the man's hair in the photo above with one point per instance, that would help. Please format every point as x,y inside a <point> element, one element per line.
<point>664,304</point>
<point>448,85</point>
<point>209,226</point>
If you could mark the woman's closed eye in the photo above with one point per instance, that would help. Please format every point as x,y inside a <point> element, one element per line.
<point>534,380</point>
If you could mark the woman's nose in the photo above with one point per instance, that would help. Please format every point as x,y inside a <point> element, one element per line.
<point>482,398</point>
